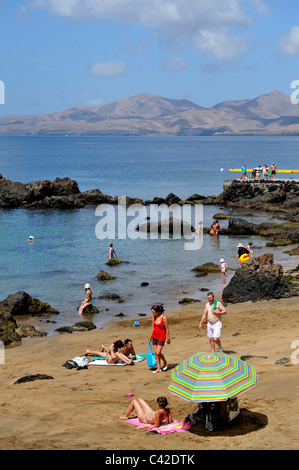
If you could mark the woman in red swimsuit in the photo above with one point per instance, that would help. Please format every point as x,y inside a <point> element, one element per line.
<point>158,336</point>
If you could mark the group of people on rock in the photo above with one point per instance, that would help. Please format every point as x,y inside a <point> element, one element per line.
<point>267,172</point>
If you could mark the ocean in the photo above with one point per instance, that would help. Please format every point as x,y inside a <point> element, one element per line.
<point>66,252</point>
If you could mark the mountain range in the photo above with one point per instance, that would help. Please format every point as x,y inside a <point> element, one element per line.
<point>143,114</point>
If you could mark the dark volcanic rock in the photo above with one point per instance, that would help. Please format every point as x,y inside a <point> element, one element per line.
<point>172,226</point>
<point>31,378</point>
<point>8,327</point>
<point>18,304</point>
<point>21,303</point>
<point>79,326</point>
<point>281,234</point>
<point>259,194</point>
<point>63,193</point>
<point>259,279</point>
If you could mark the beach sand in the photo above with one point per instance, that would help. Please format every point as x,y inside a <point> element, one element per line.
<point>80,409</point>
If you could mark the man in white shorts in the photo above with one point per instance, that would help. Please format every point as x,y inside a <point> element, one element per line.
<point>212,313</point>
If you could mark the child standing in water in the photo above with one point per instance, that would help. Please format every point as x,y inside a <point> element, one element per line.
<point>223,268</point>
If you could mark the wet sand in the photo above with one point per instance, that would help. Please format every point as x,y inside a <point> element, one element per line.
<point>80,409</point>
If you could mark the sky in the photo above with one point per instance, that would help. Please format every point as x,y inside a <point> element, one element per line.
<point>59,54</point>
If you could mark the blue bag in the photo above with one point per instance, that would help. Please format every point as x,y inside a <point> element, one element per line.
<point>151,358</point>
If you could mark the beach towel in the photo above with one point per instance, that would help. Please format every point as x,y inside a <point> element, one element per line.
<point>103,362</point>
<point>101,358</point>
<point>175,426</point>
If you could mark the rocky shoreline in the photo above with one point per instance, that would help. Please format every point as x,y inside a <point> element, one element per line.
<point>280,197</point>
<point>64,193</point>
<point>262,278</point>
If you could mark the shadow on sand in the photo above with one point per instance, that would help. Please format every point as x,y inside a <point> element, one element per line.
<point>245,423</point>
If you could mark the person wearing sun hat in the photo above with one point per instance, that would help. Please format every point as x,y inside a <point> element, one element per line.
<point>223,268</point>
<point>87,300</point>
<point>241,251</point>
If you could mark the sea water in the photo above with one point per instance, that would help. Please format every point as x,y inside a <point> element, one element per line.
<point>66,252</point>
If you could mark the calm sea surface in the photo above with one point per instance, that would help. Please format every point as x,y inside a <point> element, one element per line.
<point>66,252</point>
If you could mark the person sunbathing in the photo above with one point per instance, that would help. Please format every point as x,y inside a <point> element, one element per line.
<point>113,353</point>
<point>146,415</point>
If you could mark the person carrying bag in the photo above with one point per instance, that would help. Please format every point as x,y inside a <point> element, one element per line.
<point>151,357</point>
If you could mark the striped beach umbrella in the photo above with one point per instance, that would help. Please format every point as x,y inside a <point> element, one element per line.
<point>210,377</point>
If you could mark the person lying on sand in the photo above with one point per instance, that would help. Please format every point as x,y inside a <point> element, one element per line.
<point>147,415</point>
<point>113,353</point>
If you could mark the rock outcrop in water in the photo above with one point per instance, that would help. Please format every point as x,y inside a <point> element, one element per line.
<point>259,279</point>
<point>267,195</point>
<point>282,234</point>
<point>20,304</point>
<point>63,193</point>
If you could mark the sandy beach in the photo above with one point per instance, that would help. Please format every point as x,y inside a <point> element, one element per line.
<point>80,409</point>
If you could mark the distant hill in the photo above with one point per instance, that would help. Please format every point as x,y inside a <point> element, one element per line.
<point>270,114</point>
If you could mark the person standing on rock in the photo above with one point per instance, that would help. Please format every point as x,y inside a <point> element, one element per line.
<point>212,313</point>
<point>265,171</point>
<point>244,172</point>
<point>273,170</point>
<point>112,252</point>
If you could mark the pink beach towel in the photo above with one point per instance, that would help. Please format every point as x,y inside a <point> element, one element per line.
<point>175,426</point>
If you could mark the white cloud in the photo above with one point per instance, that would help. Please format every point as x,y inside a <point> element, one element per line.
<point>154,13</point>
<point>108,69</point>
<point>260,6</point>
<point>186,21</point>
<point>221,44</point>
<point>289,44</point>
<point>175,63</point>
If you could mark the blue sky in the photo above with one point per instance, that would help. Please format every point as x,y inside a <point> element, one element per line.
<point>58,54</point>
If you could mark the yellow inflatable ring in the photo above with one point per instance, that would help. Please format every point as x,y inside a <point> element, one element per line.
<point>243,258</point>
